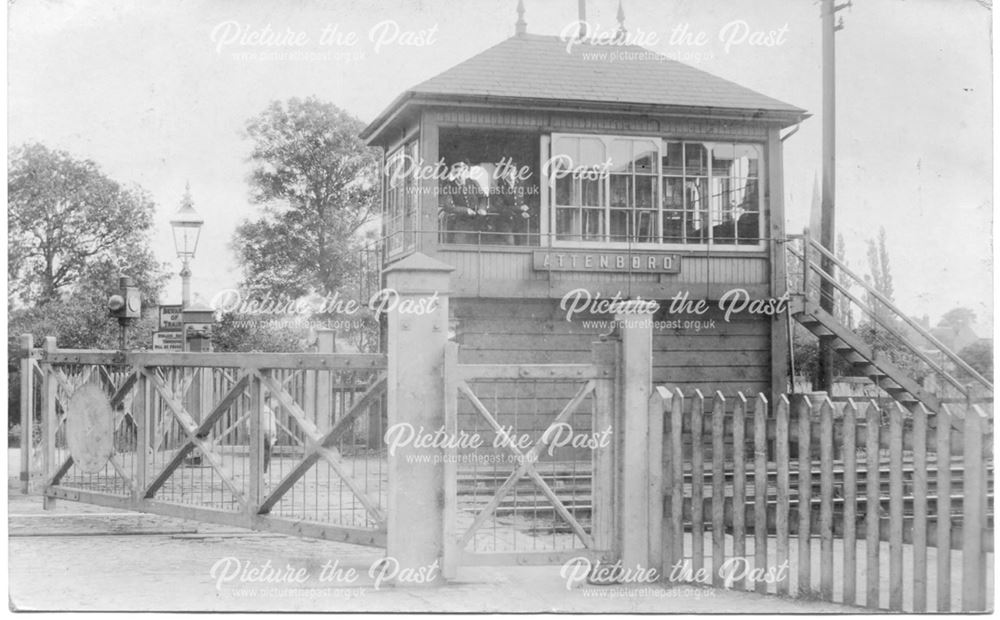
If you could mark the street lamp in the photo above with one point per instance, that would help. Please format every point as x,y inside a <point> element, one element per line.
<point>186,226</point>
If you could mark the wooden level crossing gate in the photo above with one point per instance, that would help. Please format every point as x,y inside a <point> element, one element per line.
<point>537,486</point>
<point>289,443</point>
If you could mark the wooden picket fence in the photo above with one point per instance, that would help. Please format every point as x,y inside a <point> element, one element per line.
<point>900,502</point>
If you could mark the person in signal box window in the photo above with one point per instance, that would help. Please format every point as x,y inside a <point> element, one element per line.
<point>463,204</point>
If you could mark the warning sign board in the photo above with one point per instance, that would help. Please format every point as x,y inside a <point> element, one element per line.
<point>170,318</point>
<point>168,341</point>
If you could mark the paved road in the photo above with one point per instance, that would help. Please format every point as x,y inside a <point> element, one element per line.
<point>81,557</point>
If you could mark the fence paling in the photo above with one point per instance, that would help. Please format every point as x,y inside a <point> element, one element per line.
<point>697,480</point>
<point>850,504</point>
<point>872,542</point>
<point>739,474</point>
<point>781,521</point>
<point>973,514</point>
<point>760,484</point>
<point>826,500</point>
<point>718,493</point>
<point>919,509</point>
<point>677,487</point>
<point>805,495</point>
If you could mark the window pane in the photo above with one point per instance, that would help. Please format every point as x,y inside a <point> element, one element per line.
<point>673,226</point>
<point>566,146</point>
<point>621,226</point>
<point>673,194</point>
<point>593,224</point>
<point>695,159</point>
<point>568,224</point>
<point>592,193</point>
<point>673,163</point>
<point>621,191</point>
<point>499,184</point>
<point>591,152</point>
<point>564,191</point>
<point>621,156</point>
<point>645,156</point>
<point>696,206</point>
<point>645,192</point>
<point>747,158</point>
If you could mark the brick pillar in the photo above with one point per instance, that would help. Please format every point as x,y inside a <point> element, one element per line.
<point>417,336</point>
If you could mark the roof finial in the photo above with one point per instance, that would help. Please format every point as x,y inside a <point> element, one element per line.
<point>620,35</point>
<point>521,27</point>
<point>582,19</point>
<point>186,200</point>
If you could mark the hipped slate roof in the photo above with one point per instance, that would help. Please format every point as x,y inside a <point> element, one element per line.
<point>539,69</point>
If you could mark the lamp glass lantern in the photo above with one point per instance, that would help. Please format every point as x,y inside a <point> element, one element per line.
<point>186,226</point>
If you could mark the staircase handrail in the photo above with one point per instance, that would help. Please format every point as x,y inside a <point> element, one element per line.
<point>887,326</point>
<point>891,306</point>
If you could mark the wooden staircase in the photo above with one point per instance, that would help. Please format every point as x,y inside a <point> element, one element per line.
<point>815,273</point>
<point>865,361</point>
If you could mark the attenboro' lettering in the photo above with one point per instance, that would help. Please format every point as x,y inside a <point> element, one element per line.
<point>645,262</point>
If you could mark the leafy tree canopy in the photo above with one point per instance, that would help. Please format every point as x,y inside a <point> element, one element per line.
<point>979,355</point>
<point>317,182</point>
<point>65,217</point>
<point>957,318</point>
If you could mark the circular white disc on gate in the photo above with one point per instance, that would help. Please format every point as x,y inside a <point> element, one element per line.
<point>90,428</point>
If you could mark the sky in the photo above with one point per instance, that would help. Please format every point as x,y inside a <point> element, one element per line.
<point>158,94</point>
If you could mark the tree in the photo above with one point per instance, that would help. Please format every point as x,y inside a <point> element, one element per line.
<point>878,267</point>
<point>843,309</point>
<point>317,182</point>
<point>64,216</point>
<point>72,233</point>
<point>979,355</point>
<point>235,335</point>
<point>957,318</point>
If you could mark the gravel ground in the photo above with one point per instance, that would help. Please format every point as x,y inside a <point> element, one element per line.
<point>88,558</point>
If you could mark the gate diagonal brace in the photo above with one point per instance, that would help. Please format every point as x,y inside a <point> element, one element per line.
<point>527,464</point>
<point>194,433</point>
<point>321,446</point>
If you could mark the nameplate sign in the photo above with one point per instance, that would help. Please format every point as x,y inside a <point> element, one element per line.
<point>617,262</point>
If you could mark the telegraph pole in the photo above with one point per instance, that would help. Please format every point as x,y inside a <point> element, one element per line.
<point>828,237</point>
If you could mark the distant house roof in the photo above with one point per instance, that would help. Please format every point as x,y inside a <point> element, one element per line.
<point>539,69</point>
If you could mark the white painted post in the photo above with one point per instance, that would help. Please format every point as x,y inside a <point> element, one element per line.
<point>636,327</point>
<point>27,410</point>
<point>325,343</point>
<point>417,338</point>
<point>50,423</point>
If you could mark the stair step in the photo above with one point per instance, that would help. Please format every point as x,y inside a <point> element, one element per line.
<point>888,384</point>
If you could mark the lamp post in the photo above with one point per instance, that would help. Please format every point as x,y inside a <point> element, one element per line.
<point>186,226</point>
